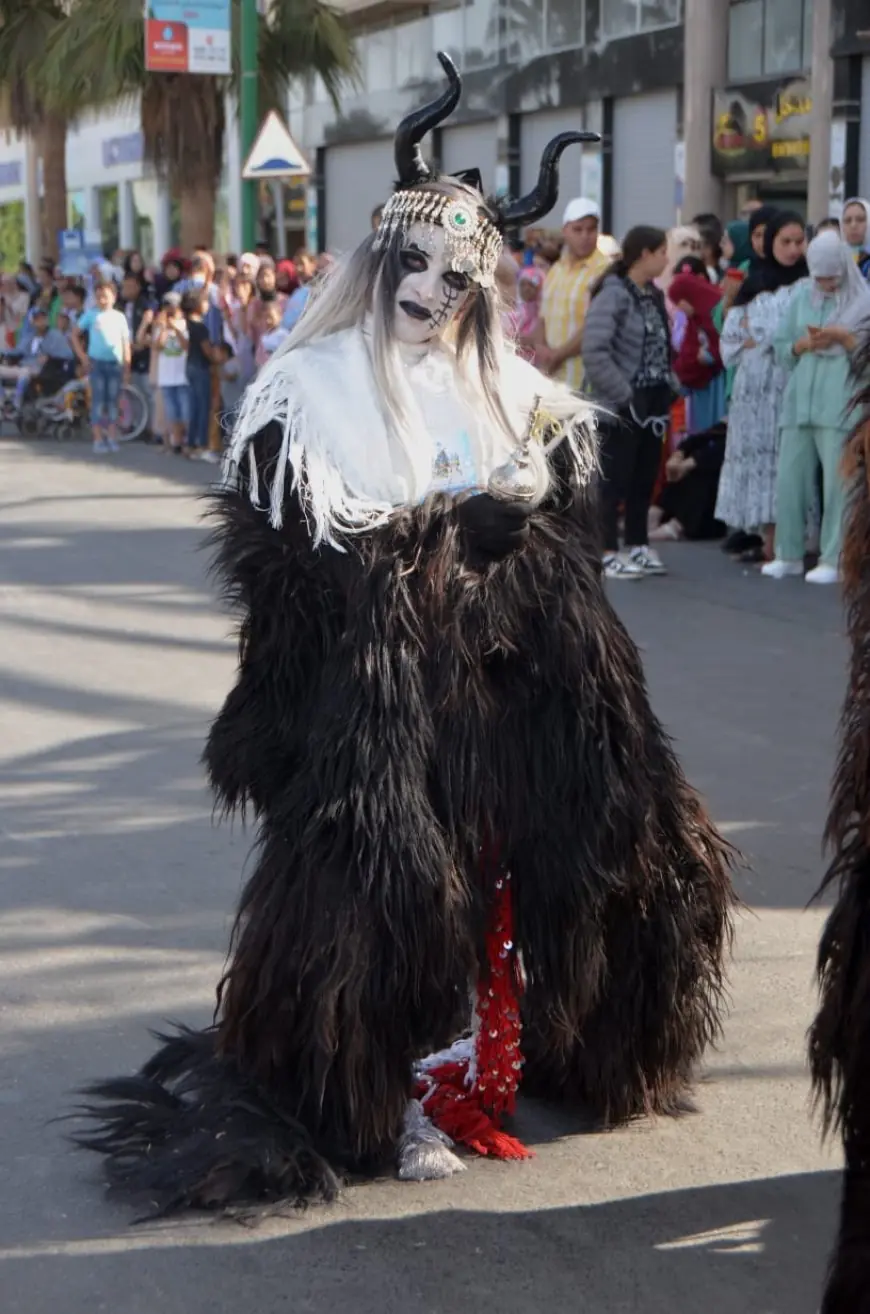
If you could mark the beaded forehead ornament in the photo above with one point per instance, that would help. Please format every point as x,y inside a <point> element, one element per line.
<point>472,245</point>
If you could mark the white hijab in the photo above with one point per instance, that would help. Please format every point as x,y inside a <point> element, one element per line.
<point>829,257</point>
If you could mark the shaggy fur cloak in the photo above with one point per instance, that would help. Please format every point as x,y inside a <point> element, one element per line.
<point>840,1036</point>
<point>398,707</point>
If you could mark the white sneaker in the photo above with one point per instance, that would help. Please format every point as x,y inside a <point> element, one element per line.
<point>647,561</point>
<point>618,567</point>
<point>779,569</point>
<point>112,446</point>
<point>211,458</point>
<point>100,446</point>
<point>823,575</point>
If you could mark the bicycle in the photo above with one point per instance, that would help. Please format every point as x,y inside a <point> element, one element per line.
<point>69,409</point>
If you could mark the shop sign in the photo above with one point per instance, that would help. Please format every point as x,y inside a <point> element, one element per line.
<point>769,135</point>
<point>185,37</point>
<point>128,149</point>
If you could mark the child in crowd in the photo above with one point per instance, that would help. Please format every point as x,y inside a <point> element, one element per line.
<point>273,334</point>
<point>199,357</point>
<point>106,360</point>
<point>232,384</point>
<point>170,341</point>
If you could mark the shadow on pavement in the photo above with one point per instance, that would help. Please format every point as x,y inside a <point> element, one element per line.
<point>756,1247</point>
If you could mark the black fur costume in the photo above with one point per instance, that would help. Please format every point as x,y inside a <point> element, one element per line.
<point>840,1037</point>
<point>396,707</point>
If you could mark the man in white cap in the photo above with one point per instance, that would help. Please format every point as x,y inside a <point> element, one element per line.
<point>566,293</point>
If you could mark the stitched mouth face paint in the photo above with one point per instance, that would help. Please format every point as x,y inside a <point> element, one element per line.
<point>430,293</point>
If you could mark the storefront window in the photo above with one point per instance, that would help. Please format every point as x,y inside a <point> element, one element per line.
<point>783,36</point>
<point>745,33</point>
<point>75,208</point>
<point>108,211</point>
<point>447,30</point>
<point>376,51</point>
<point>480,33</point>
<point>769,37</point>
<point>565,23</point>
<point>145,202</point>
<point>522,30</point>
<point>659,13</point>
<point>620,18</point>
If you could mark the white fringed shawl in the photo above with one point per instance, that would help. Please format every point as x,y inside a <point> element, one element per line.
<point>349,470</point>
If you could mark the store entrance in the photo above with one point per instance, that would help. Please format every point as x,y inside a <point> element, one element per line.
<point>785,194</point>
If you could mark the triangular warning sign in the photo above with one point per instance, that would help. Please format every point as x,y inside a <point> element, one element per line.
<point>274,153</point>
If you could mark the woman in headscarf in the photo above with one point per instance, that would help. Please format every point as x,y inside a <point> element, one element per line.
<point>856,212</point>
<point>746,501</point>
<point>736,246</point>
<point>826,319</point>
<point>286,277</point>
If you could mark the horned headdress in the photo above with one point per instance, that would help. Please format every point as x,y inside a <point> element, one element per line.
<point>473,229</point>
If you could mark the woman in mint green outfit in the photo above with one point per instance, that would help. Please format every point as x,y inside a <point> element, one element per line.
<point>826,316</point>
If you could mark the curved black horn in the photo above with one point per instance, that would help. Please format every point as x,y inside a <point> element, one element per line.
<point>410,165</point>
<point>542,198</point>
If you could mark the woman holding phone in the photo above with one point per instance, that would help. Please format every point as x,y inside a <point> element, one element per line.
<point>827,318</point>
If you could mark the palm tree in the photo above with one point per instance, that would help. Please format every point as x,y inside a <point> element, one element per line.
<point>97,56</point>
<point>26,29</point>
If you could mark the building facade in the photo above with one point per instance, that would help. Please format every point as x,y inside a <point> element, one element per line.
<point>701,105</point>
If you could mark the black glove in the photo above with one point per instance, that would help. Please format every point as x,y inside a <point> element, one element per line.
<point>491,527</point>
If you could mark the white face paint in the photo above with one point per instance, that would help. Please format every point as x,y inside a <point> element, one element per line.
<point>431,294</point>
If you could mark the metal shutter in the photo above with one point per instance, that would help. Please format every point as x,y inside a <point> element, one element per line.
<point>644,138</point>
<point>535,131</point>
<point>471,146</point>
<point>358,177</point>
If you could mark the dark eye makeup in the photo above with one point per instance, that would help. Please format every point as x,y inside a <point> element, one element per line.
<point>413,260</point>
<point>456,280</point>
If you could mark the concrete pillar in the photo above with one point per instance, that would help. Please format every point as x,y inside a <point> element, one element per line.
<point>32,218</point>
<point>277,189</point>
<point>822,91</point>
<point>92,210</point>
<point>234,175</point>
<point>126,217</point>
<point>705,67</point>
<point>162,222</point>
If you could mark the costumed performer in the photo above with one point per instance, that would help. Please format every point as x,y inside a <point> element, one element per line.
<point>472,828</point>
<point>840,1035</point>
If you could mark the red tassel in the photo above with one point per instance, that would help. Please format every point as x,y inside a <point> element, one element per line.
<point>470,1113</point>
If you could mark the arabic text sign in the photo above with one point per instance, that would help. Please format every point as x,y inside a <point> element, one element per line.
<point>187,38</point>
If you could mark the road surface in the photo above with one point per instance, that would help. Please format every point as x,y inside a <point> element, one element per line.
<point>115,901</point>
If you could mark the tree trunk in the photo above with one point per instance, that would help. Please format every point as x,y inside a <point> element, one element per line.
<point>52,148</point>
<point>197,217</point>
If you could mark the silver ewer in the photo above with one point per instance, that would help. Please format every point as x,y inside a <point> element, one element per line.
<point>517,479</point>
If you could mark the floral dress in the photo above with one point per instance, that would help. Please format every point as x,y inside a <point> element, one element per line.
<point>747,485</point>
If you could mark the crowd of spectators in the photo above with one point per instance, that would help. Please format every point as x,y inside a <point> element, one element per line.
<point>721,357</point>
<point>188,335</point>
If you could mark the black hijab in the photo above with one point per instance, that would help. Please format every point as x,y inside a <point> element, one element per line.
<point>767,274</point>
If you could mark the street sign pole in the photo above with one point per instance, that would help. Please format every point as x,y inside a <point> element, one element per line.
<point>248,117</point>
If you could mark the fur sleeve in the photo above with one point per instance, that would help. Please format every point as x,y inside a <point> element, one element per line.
<point>290,598</point>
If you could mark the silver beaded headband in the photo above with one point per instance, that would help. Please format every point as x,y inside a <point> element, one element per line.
<point>472,244</point>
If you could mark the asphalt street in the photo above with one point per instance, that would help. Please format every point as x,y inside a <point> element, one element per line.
<point>116,896</point>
